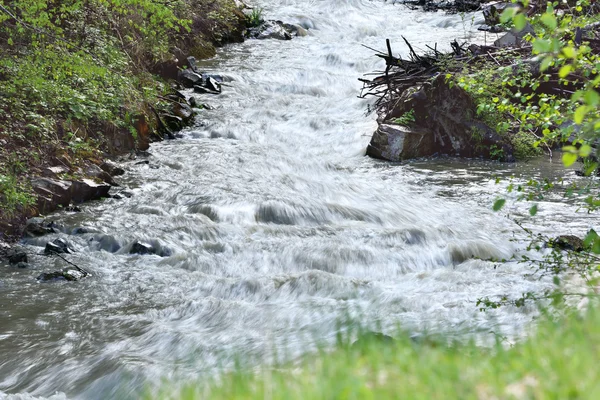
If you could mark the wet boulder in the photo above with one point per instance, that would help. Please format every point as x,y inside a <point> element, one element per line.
<point>567,242</point>
<point>191,60</point>
<point>204,90</point>
<point>145,248</point>
<point>67,274</point>
<point>397,143</point>
<point>95,172</point>
<point>51,193</point>
<point>112,168</point>
<point>296,30</point>
<point>435,119</point>
<point>87,189</point>
<point>36,227</point>
<point>16,256</point>
<point>189,78</point>
<point>183,111</point>
<point>212,82</point>
<point>58,246</point>
<point>270,30</point>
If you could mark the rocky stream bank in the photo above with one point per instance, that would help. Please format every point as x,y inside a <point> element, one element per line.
<point>61,184</point>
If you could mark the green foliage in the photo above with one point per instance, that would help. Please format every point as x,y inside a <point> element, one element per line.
<point>255,18</point>
<point>406,119</point>
<point>15,196</point>
<point>554,44</point>
<point>557,361</point>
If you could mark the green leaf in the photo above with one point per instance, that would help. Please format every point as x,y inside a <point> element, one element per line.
<point>591,97</point>
<point>590,238</point>
<point>569,159</point>
<point>564,71</point>
<point>596,246</point>
<point>508,14</point>
<point>569,52</point>
<point>542,45</point>
<point>549,20</point>
<point>556,280</point>
<point>498,204</point>
<point>533,210</point>
<point>585,150</point>
<point>579,115</point>
<point>546,62</point>
<point>520,21</point>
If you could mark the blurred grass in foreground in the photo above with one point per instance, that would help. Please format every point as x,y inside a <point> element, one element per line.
<point>558,361</point>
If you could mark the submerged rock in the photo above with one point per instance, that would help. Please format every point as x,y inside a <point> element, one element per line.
<point>58,246</point>
<point>36,227</point>
<point>204,90</point>
<point>16,256</point>
<point>145,248</point>
<point>67,274</point>
<point>296,30</point>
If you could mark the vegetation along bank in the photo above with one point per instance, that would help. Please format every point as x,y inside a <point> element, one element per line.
<point>81,82</point>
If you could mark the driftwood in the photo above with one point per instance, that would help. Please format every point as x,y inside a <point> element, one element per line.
<point>401,74</point>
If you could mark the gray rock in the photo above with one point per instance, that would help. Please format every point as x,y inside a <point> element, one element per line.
<point>36,227</point>
<point>112,168</point>
<point>270,30</point>
<point>444,122</point>
<point>192,64</point>
<point>514,38</point>
<point>58,246</point>
<point>397,143</point>
<point>295,30</point>
<point>153,247</point>
<point>55,172</point>
<point>95,172</point>
<point>212,84</point>
<point>203,90</point>
<point>16,256</point>
<point>183,111</point>
<point>86,189</point>
<point>52,193</point>
<point>189,78</point>
<point>67,274</point>
<point>142,248</point>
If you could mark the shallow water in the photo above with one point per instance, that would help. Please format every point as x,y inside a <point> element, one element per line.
<point>274,227</point>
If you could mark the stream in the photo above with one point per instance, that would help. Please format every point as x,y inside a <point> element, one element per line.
<point>275,228</point>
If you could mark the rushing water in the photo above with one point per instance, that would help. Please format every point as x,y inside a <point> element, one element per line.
<point>275,227</point>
